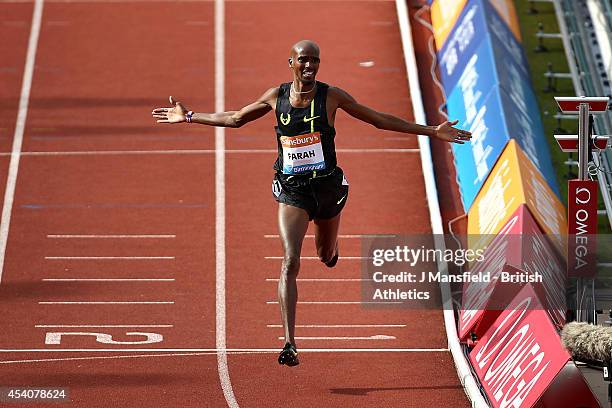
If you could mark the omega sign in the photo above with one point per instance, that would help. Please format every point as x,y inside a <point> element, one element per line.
<point>520,355</point>
<point>582,228</point>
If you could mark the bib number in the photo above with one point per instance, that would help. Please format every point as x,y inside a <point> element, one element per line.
<point>303,153</point>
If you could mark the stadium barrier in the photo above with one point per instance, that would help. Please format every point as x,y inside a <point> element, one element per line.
<point>488,87</point>
<point>510,193</point>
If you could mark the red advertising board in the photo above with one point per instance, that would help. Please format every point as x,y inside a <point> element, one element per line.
<point>520,245</point>
<point>569,389</point>
<point>520,355</point>
<point>582,228</point>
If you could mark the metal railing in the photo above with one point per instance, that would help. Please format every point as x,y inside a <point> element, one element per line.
<point>589,74</point>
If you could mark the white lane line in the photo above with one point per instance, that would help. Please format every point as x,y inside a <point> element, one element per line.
<point>186,1</point>
<point>316,258</point>
<point>345,236</point>
<point>189,151</point>
<point>204,353</point>
<point>114,152</point>
<point>229,350</point>
<point>46,360</point>
<point>102,325</point>
<point>174,1</point>
<point>107,303</point>
<point>339,325</point>
<point>24,101</point>
<point>324,280</point>
<point>68,236</point>
<point>220,317</point>
<point>88,258</point>
<point>375,337</point>
<point>108,280</point>
<point>337,303</point>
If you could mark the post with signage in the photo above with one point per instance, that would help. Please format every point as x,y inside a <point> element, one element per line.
<point>582,228</point>
<point>582,200</point>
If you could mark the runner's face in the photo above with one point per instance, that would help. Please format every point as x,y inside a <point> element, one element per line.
<point>305,65</point>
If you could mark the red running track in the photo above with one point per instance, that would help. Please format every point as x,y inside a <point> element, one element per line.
<point>111,184</point>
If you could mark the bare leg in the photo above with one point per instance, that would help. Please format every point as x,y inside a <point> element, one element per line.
<point>292,223</point>
<point>326,237</point>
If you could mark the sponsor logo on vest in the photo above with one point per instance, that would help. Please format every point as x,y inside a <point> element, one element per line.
<point>309,139</point>
<point>285,121</point>
<point>310,119</point>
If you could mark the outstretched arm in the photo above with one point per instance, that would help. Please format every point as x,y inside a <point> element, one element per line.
<point>177,113</point>
<point>444,131</point>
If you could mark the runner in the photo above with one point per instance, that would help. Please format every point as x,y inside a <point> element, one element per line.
<point>308,184</point>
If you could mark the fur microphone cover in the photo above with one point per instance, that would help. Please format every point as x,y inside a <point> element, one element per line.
<point>588,342</point>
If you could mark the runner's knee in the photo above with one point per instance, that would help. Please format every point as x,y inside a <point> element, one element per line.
<point>291,266</point>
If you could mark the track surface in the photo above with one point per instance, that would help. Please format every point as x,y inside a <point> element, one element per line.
<point>100,68</point>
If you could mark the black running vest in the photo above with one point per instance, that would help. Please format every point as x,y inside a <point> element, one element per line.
<point>305,139</point>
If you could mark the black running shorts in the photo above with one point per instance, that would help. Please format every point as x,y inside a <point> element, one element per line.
<point>323,197</point>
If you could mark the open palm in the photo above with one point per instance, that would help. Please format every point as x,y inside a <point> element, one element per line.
<point>448,133</point>
<point>175,114</point>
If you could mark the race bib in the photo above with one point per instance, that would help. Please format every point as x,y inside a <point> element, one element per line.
<point>302,153</point>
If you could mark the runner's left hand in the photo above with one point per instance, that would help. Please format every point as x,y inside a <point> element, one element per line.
<point>448,133</point>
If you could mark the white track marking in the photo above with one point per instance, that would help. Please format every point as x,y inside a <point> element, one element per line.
<point>102,325</point>
<point>235,350</point>
<point>109,280</point>
<point>189,151</point>
<point>375,337</point>
<point>280,326</point>
<point>46,360</point>
<point>94,258</point>
<point>117,152</point>
<point>55,236</point>
<point>106,303</point>
<point>220,336</point>
<point>331,302</point>
<point>316,258</point>
<point>324,280</point>
<point>345,236</point>
<point>173,1</point>
<point>213,352</point>
<point>24,101</point>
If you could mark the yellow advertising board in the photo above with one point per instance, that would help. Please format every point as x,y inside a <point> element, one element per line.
<point>505,8</point>
<point>513,181</point>
<point>444,15</point>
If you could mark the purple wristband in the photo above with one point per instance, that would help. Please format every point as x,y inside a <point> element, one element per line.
<point>188,117</point>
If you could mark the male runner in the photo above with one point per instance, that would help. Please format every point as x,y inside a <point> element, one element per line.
<point>308,184</point>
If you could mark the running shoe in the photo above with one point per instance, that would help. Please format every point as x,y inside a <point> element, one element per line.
<point>332,262</point>
<point>289,355</point>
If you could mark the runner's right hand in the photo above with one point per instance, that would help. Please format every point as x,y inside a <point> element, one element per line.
<point>174,114</point>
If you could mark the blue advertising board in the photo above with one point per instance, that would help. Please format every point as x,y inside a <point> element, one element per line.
<point>494,114</point>
<point>528,130</point>
<point>474,160</point>
<point>478,22</point>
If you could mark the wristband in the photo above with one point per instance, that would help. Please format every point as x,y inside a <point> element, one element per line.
<point>188,117</point>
